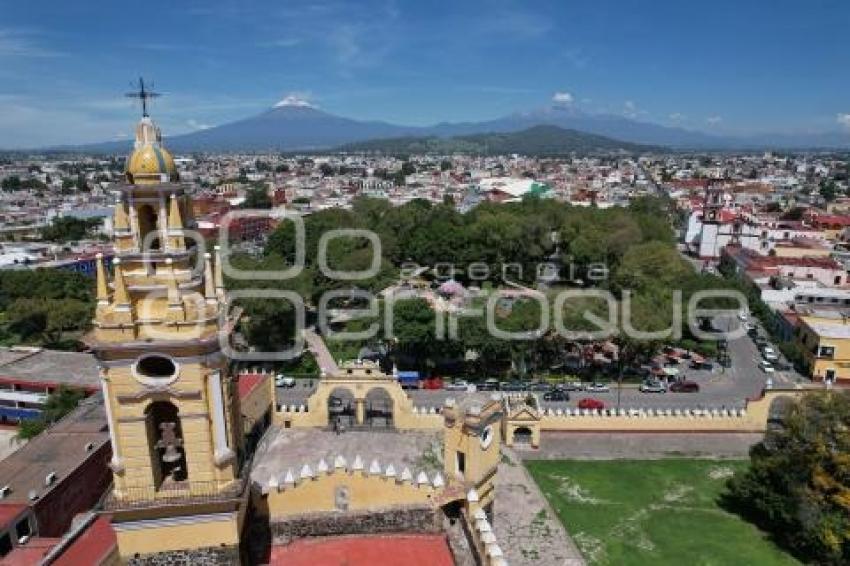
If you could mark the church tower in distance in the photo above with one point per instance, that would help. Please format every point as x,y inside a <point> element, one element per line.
<point>159,328</point>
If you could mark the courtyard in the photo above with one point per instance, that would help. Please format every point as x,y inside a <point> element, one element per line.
<point>636,512</point>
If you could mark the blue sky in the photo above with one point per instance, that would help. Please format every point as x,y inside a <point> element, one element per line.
<point>726,66</point>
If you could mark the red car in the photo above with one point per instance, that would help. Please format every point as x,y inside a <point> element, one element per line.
<point>589,403</point>
<point>684,387</point>
<point>432,383</point>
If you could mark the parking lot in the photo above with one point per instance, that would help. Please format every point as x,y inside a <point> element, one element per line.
<point>719,387</point>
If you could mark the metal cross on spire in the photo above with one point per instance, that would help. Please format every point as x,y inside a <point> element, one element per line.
<point>143,94</point>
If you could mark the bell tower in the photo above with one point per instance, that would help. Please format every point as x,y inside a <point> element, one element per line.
<point>159,328</point>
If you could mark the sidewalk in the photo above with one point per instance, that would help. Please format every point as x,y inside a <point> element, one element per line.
<point>526,527</point>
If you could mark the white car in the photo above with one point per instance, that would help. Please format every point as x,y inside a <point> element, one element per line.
<point>284,381</point>
<point>769,354</point>
<point>766,367</point>
<point>459,385</point>
<point>742,316</point>
<point>597,388</point>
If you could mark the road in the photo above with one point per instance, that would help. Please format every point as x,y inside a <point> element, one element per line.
<point>719,388</point>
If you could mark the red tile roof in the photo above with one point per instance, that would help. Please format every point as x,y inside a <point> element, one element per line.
<point>92,546</point>
<point>31,553</point>
<point>249,381</point>
<point>372,550</point>
<point>9,512</point>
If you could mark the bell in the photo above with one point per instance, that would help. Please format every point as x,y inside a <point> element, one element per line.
<point>170,455</point>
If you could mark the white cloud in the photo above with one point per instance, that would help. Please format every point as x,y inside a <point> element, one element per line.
<point>20,43</point>
<point>195,125</point>
<point>843,119</point>
<point>299,99</point>
<point>562,97</point>
<point>676,116</point>
<point>631,110</point>
<point>713,120</point>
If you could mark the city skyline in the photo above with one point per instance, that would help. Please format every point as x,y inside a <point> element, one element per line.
<point>736,70</point>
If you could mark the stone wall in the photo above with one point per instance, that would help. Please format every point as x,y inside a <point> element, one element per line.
<point>212,556</point>
<point>408,519</point>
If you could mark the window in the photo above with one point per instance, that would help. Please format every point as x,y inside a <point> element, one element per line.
<point>461,463</point>
<point>837,280</point>
<point>5,544</point>
<point>826,352</point>
<point>22,529</point>
<point>156,367</point>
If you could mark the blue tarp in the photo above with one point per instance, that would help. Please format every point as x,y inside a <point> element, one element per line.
<point>19,414</point>
<point>408,376</point>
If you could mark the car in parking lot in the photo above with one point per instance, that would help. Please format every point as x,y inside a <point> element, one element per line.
<point>539,386</point>
<point>766,366</point>
<point>489,385</point>
<point>591,403</point>
<point>684,387</point>
<point>572,386</point>
<point>769,354</point>
<point>512,386</point>
<point>284,380</point>
<point>556,395</point>
<point>456,385</point>
<point>597,387</point>
<point>652,386</point>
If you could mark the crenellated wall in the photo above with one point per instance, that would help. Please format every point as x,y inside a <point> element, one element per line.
<point>340,486</point>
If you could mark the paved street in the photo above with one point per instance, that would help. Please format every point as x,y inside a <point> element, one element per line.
<point>720,387</point>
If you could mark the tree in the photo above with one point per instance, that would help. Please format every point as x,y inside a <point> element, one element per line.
<point>326,170</point>
<point>58,404</point>
<point>257,197</point>
<point>797,486</point>
<point>69,229</point>
<point>445,165</point>
<point>828,190</point>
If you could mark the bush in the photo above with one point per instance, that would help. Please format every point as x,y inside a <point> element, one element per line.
<point>798,484</point>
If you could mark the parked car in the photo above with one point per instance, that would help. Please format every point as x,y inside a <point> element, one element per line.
<point>753,332</point>
<point>590,403</point>
<point>596,387</point>
<point>652,386</point>
<point>539,386</point>
<point>742,316</point>
<point>284,380</point>
<point>572,386</point>
<point>432,383</point>
<point>489,385</point>
<point>702,364</point>
<point>766,366</point>
<point>456,385</point>
<point>556,395</point>
<point>512,386</point>
<point>685,387</point>
<point>769,354</point>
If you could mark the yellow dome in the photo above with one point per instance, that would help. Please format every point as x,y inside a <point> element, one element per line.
<point>150,163</point>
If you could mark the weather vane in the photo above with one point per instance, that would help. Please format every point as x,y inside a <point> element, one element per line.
<point>143,94</point>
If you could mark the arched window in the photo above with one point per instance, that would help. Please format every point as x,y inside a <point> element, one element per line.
<point>165,439</point>
<point>148,232</point>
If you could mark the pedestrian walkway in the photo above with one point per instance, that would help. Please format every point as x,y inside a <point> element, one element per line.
<point>526,527</point>
<point>319,349</point>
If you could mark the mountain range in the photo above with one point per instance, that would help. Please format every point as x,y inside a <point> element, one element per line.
<point>290,127</point>
<point>538,140</point>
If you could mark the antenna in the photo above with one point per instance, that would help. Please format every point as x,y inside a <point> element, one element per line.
<point>143,94</point>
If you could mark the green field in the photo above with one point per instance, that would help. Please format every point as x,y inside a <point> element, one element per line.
<point>654,512</point>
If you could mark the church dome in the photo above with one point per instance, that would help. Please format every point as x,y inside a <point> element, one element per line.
<point>150,162</point>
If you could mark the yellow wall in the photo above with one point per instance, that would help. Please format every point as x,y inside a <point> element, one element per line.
<point>810,342</point>
<point>365,492</point>
<point>148,537</point>
<point>753,419</point>
<point>257,403</point>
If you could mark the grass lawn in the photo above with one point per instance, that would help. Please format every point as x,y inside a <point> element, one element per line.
<point>654,512</point>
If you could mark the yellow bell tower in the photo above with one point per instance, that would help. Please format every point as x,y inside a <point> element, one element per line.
<point>159,328</point>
